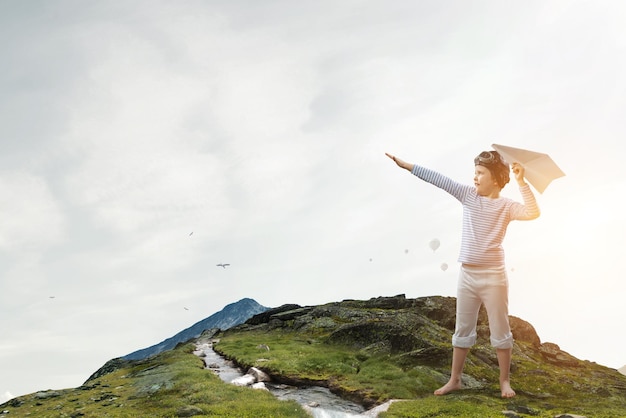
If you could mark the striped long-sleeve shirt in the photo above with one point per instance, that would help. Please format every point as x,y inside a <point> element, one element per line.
<point>485,220</point>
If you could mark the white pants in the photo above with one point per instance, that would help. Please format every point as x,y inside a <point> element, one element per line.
<point>488,286</point>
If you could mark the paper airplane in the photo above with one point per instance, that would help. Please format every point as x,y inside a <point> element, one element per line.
<point>539,168</point>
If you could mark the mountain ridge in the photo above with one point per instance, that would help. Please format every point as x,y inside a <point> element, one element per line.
<point>231,315</point>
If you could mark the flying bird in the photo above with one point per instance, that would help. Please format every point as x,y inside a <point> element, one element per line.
<point>224,265</point>
<point>191,233</point>
<point>186,309</point>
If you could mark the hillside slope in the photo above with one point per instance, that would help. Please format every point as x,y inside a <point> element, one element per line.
<point>369,351</point>
<point>392,347</point>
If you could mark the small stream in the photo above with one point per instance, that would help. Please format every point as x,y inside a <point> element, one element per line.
<point>318,401</point>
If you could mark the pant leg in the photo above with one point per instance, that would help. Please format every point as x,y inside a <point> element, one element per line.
<point>467,307</point>
<point>495,297</point>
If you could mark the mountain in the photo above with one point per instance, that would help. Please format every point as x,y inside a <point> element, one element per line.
<point>232,314</point>
<point>369,351</point>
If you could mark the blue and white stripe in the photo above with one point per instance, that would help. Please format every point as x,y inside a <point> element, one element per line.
<point>485,220</point>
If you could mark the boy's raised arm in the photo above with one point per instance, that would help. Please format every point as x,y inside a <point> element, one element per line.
<point>401,163</point>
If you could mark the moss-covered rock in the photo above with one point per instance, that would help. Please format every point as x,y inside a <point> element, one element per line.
<point>392,347</point>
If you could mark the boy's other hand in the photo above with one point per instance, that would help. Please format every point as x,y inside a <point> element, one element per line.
<point>518,171</point>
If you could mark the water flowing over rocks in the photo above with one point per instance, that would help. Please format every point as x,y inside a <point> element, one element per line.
<point>319,401</point>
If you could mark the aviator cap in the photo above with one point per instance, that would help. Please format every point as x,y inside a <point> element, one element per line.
<point>496,164</point>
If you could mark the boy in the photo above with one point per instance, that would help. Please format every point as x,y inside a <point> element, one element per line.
<point>482,277</point>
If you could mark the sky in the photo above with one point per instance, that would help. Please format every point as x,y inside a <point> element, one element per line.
<point>142,142</point>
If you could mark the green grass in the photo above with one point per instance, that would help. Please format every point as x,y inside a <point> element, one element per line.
<point>377,378</point>
<point>158,387</point>
<point>444,407</point>
<point>174,381</point>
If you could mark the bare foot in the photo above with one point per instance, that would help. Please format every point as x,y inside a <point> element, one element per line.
<point>451,386</point>
<point>505,387</point>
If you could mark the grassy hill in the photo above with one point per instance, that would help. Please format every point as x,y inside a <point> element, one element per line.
<point>370,351</point>
<point>171,384</point>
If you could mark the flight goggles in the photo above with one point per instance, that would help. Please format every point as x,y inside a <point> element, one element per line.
<point>488,158</point>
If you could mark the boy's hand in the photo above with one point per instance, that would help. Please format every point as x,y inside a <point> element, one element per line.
<point>518,171</point>
<point>401,164</point>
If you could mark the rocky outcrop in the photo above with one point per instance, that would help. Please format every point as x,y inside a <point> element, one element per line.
<point>417,329</point>
<point>553,354</point>
<point>415,335</point>
<point>264,317</point>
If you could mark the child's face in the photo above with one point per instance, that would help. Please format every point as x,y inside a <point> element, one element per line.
<point>484,182</point>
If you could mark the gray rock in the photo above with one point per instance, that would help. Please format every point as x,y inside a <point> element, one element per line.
<point>47,394</point>
<point>259,375</point>
<point>553,353</point>
<point>189,411</point>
